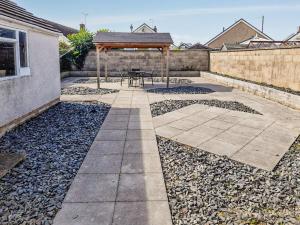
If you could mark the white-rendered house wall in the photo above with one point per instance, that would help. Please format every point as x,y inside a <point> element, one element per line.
<point>20,95</point>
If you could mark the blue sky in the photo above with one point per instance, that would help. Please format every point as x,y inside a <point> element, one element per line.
<point>187,21</point>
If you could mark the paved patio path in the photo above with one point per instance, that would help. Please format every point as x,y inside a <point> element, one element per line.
<point>120,181</point>
<point>257,140</point>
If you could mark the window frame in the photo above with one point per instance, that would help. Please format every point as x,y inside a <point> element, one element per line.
<point>20,71</point>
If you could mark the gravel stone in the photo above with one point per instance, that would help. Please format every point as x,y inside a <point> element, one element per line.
<point>181,90</point>
<point>56,143</point>
<point>204,188</point>
<point>86,91</point>
<point>94,81</point>
<point>160,108</point>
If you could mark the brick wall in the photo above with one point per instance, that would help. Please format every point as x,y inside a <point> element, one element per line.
<point>278,67</point>
<point>186,60</point>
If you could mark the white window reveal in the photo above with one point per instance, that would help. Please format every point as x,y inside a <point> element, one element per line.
<point>13,53</point>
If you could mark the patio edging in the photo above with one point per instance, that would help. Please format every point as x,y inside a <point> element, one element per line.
<point>284,98</point>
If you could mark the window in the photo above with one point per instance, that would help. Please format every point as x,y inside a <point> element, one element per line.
<point>13,53</point>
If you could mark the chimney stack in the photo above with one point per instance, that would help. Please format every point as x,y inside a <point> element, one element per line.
<point>82,26</point>
<point>131,28</point>
<point>299,29</point>
<point>155,29</point>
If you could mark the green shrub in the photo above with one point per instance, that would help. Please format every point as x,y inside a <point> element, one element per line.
<point>81,42</point>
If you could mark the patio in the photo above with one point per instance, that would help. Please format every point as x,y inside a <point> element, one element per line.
<point>122,172</point>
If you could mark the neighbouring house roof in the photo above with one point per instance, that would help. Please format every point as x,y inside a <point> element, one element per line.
<point>63,29</point>
<point>255,38</point>
<point>184,45</point>
<point>145,26</point>
<point>238,35</point>
<point>294,37</point>
<point>226,47</point>
<point>122,37</point>
<point>12,10</point>
<point>199,46</point>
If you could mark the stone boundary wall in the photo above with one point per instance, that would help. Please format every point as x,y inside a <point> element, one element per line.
<point>281,97</point>
<point>183,60</point>
<point>278,67</point>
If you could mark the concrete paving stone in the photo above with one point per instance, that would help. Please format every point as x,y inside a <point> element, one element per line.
<point>121,106</point>
<point>141,163</point>
<point>142,213</point>
<point>191,109</point>
<point>246,131</point>
<point>229,119</point>
<point>85,214</point>
<point>183,124</point>
<point>144,112</point>
<point>141,147</point>
<point>219,147</point>
<point>142,187</point>
<point>176,115</point>
<point>167,131</point>
<point>116,118</point>
<point>205,115</point>
<point>256,159</point>
<point>163,120</point>
<point>219,124</point>
<point>216,110</point>
<point>257,123</point>
<point>101,164</point>
<point>107,147</point>
<point>191,138</point>
<point>233,138</point>
<point>197,119</point>
<point>93,188</point>
<point>267,147</point>
<point>111,135</point>
<point>242,114</point>
<point>208,131</point>
<point>119,111</point>
<point>140,125</point>
<point>141,135</point>
<point>140,118</point>
<point>113,125</point>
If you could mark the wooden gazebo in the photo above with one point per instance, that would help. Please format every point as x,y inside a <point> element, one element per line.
<point>105,41</point>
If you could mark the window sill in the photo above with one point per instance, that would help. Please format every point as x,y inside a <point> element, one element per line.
<point>13,77</point>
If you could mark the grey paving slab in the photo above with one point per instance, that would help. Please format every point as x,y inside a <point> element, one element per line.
<point>142,187</point>
<point>192,139</point>
<point>107,147</point>
<point>141,125</point>
<point>142,213</point>
<point>168,132</point>
<point>141,147</point>
<point>111,135</point>
<point>114,125</point>
<point>141,163</point>
<point>101,164</point>
<point>117,118</point>
<point>249,156</point>
<point>183,124</point>
<point>219,147</point>
<point>85,214</point>
<point>141,135</point>
<point>219,124</point>
<point>93,188</point>
<point>233,138</point>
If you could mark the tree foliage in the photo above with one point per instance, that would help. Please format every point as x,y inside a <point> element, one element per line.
<point>81,42</point>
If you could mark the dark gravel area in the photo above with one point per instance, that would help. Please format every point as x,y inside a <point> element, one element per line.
<point>160,108</point>
<point>204,188</point>
<point>55,143</point>
<point>287,90</point>
<point>181,90</point>
<point>86,91</point>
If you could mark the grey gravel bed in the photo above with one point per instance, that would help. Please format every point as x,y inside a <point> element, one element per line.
<point>181,90</point>
<point>204,188</point>
<point>56,143</point>
<point>86,91</point>
<point>160,108</point>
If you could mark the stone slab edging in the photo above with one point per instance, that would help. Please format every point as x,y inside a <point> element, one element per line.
<point>284,98</point>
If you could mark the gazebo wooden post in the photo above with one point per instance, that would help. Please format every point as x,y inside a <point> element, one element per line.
<point>106,62</point>
<point>98,66</point>
<point>162,64</point>
<point>167,66</point>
